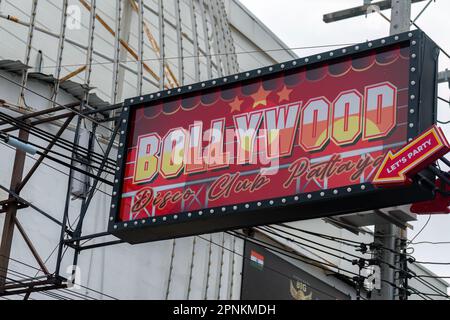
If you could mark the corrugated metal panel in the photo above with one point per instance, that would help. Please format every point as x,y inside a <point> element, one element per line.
<point>73,88</point>
<point>13,66</point>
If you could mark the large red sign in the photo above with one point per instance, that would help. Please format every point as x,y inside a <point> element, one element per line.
<point>314,127</point>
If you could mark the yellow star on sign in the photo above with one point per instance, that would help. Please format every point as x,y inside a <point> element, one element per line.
<point>236,105</point>
<point>260,97</point>
<point>284,94</point>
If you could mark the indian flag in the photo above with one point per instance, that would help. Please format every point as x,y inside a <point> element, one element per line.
<point>256,260</point>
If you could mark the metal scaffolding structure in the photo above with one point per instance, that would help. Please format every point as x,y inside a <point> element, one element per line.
<point>203,35</point>
<point>147,46</point>
<point>128,27</point>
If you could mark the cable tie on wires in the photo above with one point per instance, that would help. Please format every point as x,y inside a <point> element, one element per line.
<point>404,291</point>
<point>412,272</point>
<point>361,263</point>
<point>362,248</point>
<point>373,262</point>
<point>411,259</point>
<point>404,274</point>
<point>359,279</point>
<point>374,246</point>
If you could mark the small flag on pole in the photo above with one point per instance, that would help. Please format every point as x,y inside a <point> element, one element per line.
<point>257,260</point>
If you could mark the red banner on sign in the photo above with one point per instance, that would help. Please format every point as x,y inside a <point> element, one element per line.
<point>314,128</point>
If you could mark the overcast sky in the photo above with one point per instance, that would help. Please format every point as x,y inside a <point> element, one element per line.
<point>299,23</point>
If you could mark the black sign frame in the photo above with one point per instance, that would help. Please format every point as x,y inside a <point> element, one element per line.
<point>423,101</point>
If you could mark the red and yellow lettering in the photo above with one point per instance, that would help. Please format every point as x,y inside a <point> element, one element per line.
<point>314,132</point>
<point>374,115</point>
<point>194,161</point>
<point>347,109</point>
<point>380,110</point>
<point>281,127</point>
<point>172,154</point>
<point>146,164</point>
<point>214,152</point>
<point>247,126</point>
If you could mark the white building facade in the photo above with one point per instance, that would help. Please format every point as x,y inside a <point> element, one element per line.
<point>98,54</point>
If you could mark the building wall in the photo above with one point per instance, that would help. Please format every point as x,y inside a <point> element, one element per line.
<point>196,267</point>
<point>248,37</point>
<point>202,267</point>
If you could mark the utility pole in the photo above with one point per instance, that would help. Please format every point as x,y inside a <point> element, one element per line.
<point>368,6</point>
<point>400,16</point>
<point>388,236</point>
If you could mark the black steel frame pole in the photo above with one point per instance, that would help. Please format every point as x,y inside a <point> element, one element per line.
<point>26,203</point>
<point>43,112</point>
<point>83,204</point>
<point>104,109</point>
<point>45,153</point>
<point>100,245</point>
<point>78,230</point>
<point>66,205</point>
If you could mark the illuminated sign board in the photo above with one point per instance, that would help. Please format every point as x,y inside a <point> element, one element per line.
<point>297,140</point>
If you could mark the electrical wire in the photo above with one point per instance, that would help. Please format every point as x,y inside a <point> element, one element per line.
<point>20,281</point>
<point>75,159</point>
<point>430,242</point>
<point>413,22</point>
<point>343,258</point>
<point>355,244</point>
<point>444,100</point>
<point>267,267</point>
<point>67,156</point>
<point>431,262</point>
<point>310,261</point>
<point>419,28</point>
<point>418,233</point>
<point>58,104</point>
<point>429,285</point>
<point>413,275</point>
<point>417,292</point>
<point>329,237</point>
<point>429,295</point>
<point>70,226</point>
<point>94,121</point>
<point>422,11</point>
<point>210,55</point>
<point>349,242</point>
<point>74,168</point>
<point>401,270</point>
<point>82,286</point>
<point>53,168</point>
<point>432,287</point>
<point>431,277</point>
<point>60,142</point>
<point>307,245</point>
<point>65,164</point>
<point>46,136</point>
